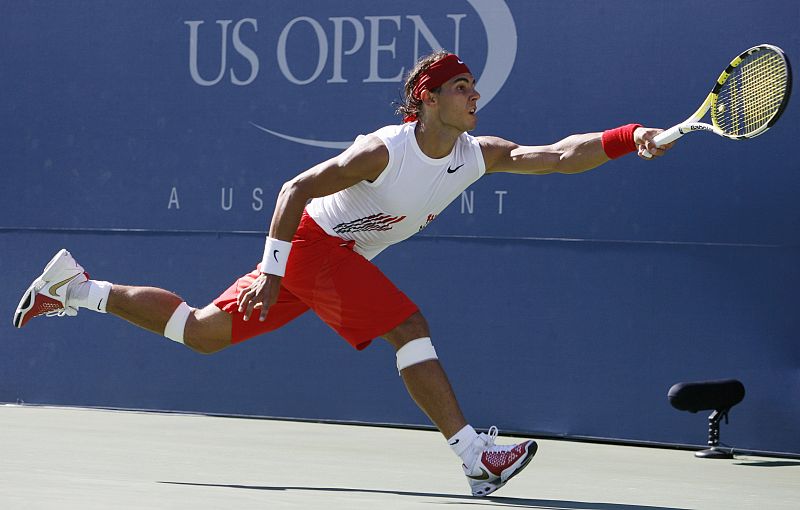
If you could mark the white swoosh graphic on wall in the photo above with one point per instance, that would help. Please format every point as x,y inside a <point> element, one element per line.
<point>306,141</point>
<point>501,37</point>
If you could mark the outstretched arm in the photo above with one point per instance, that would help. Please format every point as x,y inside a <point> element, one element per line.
<point>573,154</point>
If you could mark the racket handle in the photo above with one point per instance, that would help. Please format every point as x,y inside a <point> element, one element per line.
<point>665,137</point>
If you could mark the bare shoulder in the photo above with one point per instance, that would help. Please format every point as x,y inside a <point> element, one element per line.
<point>367,157</point>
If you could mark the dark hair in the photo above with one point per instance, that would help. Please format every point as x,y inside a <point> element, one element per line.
<point>408,105</point>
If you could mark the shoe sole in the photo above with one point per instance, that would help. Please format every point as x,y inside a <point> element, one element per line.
<point>533,447</point>
<point>26,303</point>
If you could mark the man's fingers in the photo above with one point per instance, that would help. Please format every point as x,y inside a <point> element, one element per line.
<point>248,310</point>
<point>243,298</point>
<point>655,149</point>
<point>270,298</point>
<point>259,295</point>
<point>248,302</point>
<point>649,149</point>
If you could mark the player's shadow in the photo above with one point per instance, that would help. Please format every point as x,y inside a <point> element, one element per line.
<point>550,504</point>
<point>769,463</point>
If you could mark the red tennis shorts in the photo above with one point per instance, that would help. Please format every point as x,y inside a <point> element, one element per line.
<point>324,274</point>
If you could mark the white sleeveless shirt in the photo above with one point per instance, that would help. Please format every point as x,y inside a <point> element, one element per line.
<point>411,191</point>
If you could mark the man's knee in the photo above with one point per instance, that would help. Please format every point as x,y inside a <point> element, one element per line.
<point>205,345</point>
<point>207,330</point>
<point>412,342</point>
<point>415,326</point>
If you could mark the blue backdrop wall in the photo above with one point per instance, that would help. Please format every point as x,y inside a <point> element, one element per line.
<point>150,138</point>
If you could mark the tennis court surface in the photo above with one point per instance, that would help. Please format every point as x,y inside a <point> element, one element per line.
<point>73,458</point>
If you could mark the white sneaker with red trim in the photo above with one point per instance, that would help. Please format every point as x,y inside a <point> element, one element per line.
<point>495,465</point>
<point>47,295</point>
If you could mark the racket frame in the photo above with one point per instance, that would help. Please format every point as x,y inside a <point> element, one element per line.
<point>692,124</point>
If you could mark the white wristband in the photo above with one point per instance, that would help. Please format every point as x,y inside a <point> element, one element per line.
<point>276,253</point>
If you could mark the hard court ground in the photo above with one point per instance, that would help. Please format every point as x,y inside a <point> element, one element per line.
<point>70,458</point>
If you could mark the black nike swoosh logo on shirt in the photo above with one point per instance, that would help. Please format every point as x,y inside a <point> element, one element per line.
<point>452,170</point>
<point>275,254</point>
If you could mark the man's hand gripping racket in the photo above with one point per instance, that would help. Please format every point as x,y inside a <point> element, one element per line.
<point>747,99</point>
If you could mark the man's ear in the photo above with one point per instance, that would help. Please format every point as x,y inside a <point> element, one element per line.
<point>428,97</point>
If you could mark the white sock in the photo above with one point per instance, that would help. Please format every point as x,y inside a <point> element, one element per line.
<point>91,294</point>
<point>460,443</point>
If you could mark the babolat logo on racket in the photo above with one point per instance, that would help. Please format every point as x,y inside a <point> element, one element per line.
<point>696,127</point>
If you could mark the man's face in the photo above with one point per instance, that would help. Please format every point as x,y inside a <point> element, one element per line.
<point>458,102</point>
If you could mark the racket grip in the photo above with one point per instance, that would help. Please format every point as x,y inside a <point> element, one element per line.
<point>668,136</point>
<point>665,137</point>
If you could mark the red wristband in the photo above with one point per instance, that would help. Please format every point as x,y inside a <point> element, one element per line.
<point>619,141</point>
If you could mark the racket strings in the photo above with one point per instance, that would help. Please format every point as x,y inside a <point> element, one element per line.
<point>752,94</point>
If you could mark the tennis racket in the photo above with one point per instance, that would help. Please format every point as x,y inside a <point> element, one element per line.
<point>747,99</point>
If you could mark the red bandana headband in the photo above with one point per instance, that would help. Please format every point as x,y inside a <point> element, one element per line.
<point>435,76</point>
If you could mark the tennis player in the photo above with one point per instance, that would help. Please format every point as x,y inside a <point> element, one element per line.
<point>330,221</point>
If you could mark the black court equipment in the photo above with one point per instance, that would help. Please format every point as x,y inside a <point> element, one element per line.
<point>717,396</point>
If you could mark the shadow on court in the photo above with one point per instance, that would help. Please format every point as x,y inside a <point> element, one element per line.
<point>549,504</point>
<point>769,463</point>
